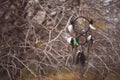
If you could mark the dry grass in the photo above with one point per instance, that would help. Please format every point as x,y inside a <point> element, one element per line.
<point>76,76</point>
<point>69,75</point>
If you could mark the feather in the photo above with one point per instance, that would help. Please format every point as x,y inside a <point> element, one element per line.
<point>70,28</point>
<point>80,58</point>
<point>69,40</point>
<point>89,37</point>
<point>92,27</point>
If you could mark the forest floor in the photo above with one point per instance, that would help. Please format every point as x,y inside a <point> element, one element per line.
<point>75,76</point>
<point>72,75</point>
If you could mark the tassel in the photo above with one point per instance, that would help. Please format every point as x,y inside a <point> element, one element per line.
<point>80,58</point>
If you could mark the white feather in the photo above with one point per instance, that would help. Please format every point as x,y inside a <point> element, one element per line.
<point>70,28</point>
<point>69,40</point>
<point>89,37</point>
<point>92,27</point>
<point>78,51</point>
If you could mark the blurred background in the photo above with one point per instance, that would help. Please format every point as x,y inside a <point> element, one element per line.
<point>33,43</point>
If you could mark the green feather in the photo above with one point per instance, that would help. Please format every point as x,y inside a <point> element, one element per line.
<point>75,42</point>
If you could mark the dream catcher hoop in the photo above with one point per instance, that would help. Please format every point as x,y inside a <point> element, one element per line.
<point>81,26</point>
